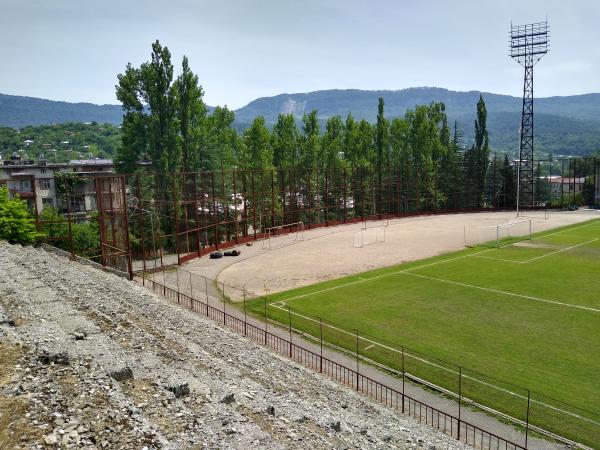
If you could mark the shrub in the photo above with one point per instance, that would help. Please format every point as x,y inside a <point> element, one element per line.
<point>16,223</point>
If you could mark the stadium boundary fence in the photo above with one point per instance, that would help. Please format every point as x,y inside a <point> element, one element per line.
<point>304,338</point>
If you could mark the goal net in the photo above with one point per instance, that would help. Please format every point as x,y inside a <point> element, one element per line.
<point>365,225</point>
<point>498,235</point>
<point>286,233</point>
<point>368,236</point>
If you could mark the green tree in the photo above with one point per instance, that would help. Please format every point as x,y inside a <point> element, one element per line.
<point>508,188</point>
<point>381,144</point>
<point>284,141</point>
<point>477,157</point>
<point>257,141</point>
<point>332,142</point>
<point>191,112</point>
<point>16,223</point>
<point>350,141</point>
<point>220,146</point>
<point>150,107</point>
<point>310,140</point>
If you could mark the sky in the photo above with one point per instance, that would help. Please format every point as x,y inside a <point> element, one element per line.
<point>73,50</point>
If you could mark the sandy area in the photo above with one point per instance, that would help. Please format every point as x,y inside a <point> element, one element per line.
<point>332,252</point>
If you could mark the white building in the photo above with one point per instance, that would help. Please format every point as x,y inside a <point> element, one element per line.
<point>35,182</point>
<point>565,186</point>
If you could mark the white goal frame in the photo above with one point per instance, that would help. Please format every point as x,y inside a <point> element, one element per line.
<point>358,237</point>
<point>366,224</point>
<point>296,228</point>
<point>508,226</point>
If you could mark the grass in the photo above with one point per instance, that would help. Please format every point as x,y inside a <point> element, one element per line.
<point>526,313</point>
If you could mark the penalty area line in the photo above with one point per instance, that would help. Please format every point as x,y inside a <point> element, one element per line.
<point>497,291</point>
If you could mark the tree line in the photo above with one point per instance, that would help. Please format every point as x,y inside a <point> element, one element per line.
<point>166,122</point>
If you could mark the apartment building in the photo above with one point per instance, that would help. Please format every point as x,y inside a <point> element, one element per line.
<point>35,182</point>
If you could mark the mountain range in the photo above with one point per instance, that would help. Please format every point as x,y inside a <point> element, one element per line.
<point>563,125</point>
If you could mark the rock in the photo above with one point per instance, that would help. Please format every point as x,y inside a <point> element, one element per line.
<point>122,374</point>
<point>50,439</point>
<point>271,410</point>
<point>336,426</point>
<point>61,358</point>
<point>4,320</point>
<point>228,399</point>
<point>180,390</point>
<point>78,336</point>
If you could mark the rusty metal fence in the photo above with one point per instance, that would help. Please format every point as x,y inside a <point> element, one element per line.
<point>316,357</point>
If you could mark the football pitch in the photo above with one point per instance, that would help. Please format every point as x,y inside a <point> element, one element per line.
<point>520,316</point>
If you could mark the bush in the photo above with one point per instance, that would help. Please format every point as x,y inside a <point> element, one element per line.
<point>16,223</point>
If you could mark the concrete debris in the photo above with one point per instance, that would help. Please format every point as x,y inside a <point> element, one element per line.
<point>72,388</point>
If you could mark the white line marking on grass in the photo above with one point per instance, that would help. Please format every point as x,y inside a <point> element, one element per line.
<point>385,275</point>
<point>497,291</point>
<point>375,343</point>
<point>559,251</point>
<point>370,346</point>
<point>497,259</point>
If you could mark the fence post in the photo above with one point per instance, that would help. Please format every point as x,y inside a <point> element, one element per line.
<point>224,315</point>
<point>266,321</point>
<point>206,289</point>
<point>290,326</point>
<point>357,363</point>
<point>191,288</point>
<point>321,341</point>
<point>177,275</point>
<point>459,398</point>
<point>403,372</point>
<point>527,420</point>
<point>245,316</point>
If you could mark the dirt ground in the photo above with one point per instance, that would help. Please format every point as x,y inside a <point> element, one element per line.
<point>332,252</point>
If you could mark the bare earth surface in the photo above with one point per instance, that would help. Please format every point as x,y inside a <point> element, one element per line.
<point>330,252</point>
<point>90,360</point>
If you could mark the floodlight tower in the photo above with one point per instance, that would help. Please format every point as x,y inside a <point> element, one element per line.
<point>528,44</point>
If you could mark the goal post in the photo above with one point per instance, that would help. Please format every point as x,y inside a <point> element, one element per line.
<point>295,229</point>
<point>513,231</point>
<point>505,233</point>
<point>368,236</point>
<point>383,223</point>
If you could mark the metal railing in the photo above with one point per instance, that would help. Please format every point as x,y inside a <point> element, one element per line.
<point>396,399</point>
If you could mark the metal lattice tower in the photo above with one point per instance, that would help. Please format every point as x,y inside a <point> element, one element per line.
<point>528,44</point>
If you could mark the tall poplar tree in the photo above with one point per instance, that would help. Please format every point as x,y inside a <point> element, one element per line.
<point>191,113</point>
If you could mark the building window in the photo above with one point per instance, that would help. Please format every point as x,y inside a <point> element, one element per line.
<point>77,204</point>
<point>45,185</point>
<point>47,201</point>
<point>24,186</point>
<point>43,170</point>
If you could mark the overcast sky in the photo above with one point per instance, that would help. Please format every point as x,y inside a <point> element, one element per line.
<point>73,49</point>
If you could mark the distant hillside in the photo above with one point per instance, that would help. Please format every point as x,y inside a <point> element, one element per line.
<point>563,125</point>
<point>17,112</point>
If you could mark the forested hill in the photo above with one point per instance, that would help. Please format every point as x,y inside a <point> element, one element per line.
<point>563,125</point>
<point>18,112</point>
<point>362,104</point>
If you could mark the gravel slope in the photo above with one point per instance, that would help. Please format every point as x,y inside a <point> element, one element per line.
<point>100,362</point>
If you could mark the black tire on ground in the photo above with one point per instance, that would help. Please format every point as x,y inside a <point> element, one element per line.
<point>232,253</point>
<point>216,255</point>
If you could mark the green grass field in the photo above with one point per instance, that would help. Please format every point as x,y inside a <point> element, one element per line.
<point>526,313</point>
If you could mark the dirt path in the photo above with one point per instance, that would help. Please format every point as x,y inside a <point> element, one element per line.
<point>328,253</point>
